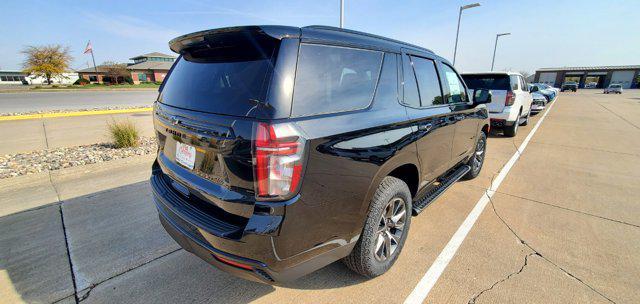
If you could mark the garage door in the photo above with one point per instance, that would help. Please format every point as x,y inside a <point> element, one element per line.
<point>548,78</point>
<point>622,77</point>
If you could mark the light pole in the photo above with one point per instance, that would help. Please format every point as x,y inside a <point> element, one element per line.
<point>455,49</point>
<point>495,47</point>
<point>341,13</point>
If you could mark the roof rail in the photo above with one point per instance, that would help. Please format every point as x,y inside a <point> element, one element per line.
<point>337,29</point>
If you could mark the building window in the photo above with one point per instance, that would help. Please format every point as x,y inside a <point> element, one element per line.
<point>142,77</point>
<point>93,78</point>
<point>3,78</point>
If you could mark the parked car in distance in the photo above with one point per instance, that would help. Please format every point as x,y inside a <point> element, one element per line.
<point>510,105</point>
<point>283,149</point>
<point>539,102</point>
<point>544,90</point>
<point>591,85</point>
<point>613,88</point>
<point>569,86</point>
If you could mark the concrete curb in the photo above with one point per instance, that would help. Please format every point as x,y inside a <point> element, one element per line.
<point>73,113</point>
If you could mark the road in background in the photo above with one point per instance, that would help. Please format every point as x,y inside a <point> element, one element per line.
<point>73,100</point>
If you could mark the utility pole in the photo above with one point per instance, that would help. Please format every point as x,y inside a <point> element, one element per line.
<point>341,13</point>
<point>495,47</point>
<point>462,8</point>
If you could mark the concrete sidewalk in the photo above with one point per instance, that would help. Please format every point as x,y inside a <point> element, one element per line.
<point>37,134</point>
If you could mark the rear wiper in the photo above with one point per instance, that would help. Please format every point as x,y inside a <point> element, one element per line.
<point>259,103</point>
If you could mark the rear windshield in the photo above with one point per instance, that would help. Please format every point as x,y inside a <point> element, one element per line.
<point>615,86</point>
<point>489,82</point>
<point>231,79</point>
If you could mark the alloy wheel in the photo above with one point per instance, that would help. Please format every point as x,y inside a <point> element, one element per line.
<point>390,229</point>
<point>478,156</point>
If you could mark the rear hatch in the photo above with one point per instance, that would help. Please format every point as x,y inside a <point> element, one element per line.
<point>499,84</point>
<point>206,115</point>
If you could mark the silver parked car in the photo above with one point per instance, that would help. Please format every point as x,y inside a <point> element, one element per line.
<point>613,88</point>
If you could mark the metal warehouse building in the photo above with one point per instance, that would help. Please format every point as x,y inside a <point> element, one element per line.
<point>598,76</point>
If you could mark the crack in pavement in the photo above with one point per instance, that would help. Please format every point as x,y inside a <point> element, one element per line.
<point>66,245</point>
<point>556,206</point>
<point>94,285</point>
<point>616,114</point>
<point>536,252</point>
<point>526,261</point>
<point>569,209</point>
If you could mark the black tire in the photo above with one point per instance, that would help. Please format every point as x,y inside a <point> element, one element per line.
<point>363,259</point>
<point>477,159</point>
<point>526,120</point>
<point>511,131</point>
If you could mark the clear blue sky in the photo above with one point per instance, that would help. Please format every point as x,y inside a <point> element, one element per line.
<point>544,33</point>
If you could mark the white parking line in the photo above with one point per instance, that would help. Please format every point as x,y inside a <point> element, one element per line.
<point>421,291</point>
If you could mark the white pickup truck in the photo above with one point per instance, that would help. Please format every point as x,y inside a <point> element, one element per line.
<point>510,105</point>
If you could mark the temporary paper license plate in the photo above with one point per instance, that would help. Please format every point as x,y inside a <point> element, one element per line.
<point>185,155</point>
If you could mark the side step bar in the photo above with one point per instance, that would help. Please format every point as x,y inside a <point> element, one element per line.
<point>446,182</point>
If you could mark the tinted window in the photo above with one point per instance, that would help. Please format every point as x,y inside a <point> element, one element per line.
<point>410,87</point>
<point>224,87</point>
<point>334,79</point>
<point>388,86</point>
<point>428,83</point>
<point>487,81</point>
<point>457,92</point>
<point>514,82</point>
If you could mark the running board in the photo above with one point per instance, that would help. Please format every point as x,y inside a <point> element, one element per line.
<point>434,193</point>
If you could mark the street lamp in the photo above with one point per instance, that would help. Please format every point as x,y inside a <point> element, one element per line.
<point>341,13</point>
<point>455,49</point>
<point>496,46</point>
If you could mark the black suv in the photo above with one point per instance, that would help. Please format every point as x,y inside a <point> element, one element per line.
<point>284,149</point>
<point>569,86</point>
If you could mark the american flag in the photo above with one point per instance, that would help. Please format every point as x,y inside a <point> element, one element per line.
<point>89,48</point>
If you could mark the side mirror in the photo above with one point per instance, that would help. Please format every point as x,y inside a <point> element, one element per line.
<point>481,96</point>
<point>533,89</point>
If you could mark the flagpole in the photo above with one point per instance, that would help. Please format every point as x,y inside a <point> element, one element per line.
<point>94,64</point>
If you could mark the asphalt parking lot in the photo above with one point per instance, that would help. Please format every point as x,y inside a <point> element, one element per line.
<point>563,227</point>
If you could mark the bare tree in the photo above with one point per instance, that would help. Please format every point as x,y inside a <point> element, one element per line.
<point>115,71</point>
<point>525,74</point>
<point>46,61</point>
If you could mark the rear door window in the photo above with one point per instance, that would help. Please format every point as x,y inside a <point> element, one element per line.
<point>333,79</point>
<point>387,89</point>
<point>428,82</point>
<point>410,86</point>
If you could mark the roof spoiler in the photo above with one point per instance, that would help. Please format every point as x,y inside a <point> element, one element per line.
<point>203,38</point>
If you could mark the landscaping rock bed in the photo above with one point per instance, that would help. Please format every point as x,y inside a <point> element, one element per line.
<point>12,165</point>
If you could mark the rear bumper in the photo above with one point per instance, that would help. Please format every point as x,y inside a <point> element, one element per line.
<point>250,256</point>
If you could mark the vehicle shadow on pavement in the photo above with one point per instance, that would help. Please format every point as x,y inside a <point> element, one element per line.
<point>119,252</point>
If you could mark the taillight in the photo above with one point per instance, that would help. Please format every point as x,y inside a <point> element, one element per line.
<point>279,151</point>
<point>511,98</point>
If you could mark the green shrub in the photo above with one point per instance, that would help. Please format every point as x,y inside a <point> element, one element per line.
<point>81,81</point>
<point>158,82</point>
<point>55,86</point>
<point>128,80</point>
<point>124,134</point>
